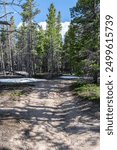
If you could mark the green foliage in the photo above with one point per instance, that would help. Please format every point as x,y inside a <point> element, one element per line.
<point>15,95</point>
<point>59,28</point>
<point>51,22</point>
<point>28,11</point>
<point>70,50</point>
<point>3,36</point>
<point>87,91</point>
<point>82,40</point>
<point>27,38</point>
<point>12,20</point>
<point>41,41</point>
<point>53,40</point>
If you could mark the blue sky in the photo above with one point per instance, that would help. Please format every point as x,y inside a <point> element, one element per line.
<point>61,5</point>
<point>43,5</point>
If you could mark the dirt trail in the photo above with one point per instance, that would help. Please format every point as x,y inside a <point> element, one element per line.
<point>48,117</point>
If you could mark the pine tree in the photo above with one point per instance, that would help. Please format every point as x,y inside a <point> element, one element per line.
<point>85,21</point>
<point>21,48</point>
<point>2,52</point>
<point>59,44</point>
<point>41,50</point>
<point>8,41</point>
<point>12,43</point>
<point>28,15</point>
<point>53,40</point>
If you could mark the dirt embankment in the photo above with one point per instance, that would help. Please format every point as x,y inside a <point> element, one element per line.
<point>47,117</point>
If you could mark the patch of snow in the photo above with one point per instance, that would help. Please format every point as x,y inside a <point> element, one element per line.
<point>73,77</point>
<point>20,80</point>
<point>69,77</point>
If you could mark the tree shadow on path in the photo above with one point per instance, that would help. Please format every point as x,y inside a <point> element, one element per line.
<point>72,116</point>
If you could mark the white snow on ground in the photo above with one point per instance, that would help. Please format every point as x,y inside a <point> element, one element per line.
<point>69,77</point>
<point>73,77</point>
<point>32,80</point>
<point>22,73</point>
<point>20,80</point>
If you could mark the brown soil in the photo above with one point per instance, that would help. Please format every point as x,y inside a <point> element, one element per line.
<point>47,117</point>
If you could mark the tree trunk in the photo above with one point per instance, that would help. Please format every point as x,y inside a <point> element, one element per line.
<point>95,78</point>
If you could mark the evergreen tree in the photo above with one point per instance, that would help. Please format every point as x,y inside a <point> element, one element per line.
<point>53,40</point>
<point>2,50</point>
<point>12,43</point>
<point>41,50</point>
<point>21,48</point>
<point>85,23</point>
<point>59,44</point>
<point>8,41</point>
<point>29,11</point>
<point>28,15</point>
<point>70,51</point>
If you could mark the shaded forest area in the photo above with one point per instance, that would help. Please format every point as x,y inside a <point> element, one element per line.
<point>31,49</point>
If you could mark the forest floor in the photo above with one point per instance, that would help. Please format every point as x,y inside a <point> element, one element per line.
<point>47,116</point>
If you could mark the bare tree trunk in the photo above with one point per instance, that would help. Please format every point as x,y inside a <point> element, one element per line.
<point>11,53</point>
<point>2,59</point>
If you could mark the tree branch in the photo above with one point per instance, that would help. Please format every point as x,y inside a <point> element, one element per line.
<point>9,31</point>
<point>6,14</point>
<point>4,23</point>
<point>12,1</point>
<point>1,3</point>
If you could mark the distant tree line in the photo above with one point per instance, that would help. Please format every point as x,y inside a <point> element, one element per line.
<point>34,50</point>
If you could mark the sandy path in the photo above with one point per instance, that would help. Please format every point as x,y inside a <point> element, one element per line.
<point>49,117</point>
